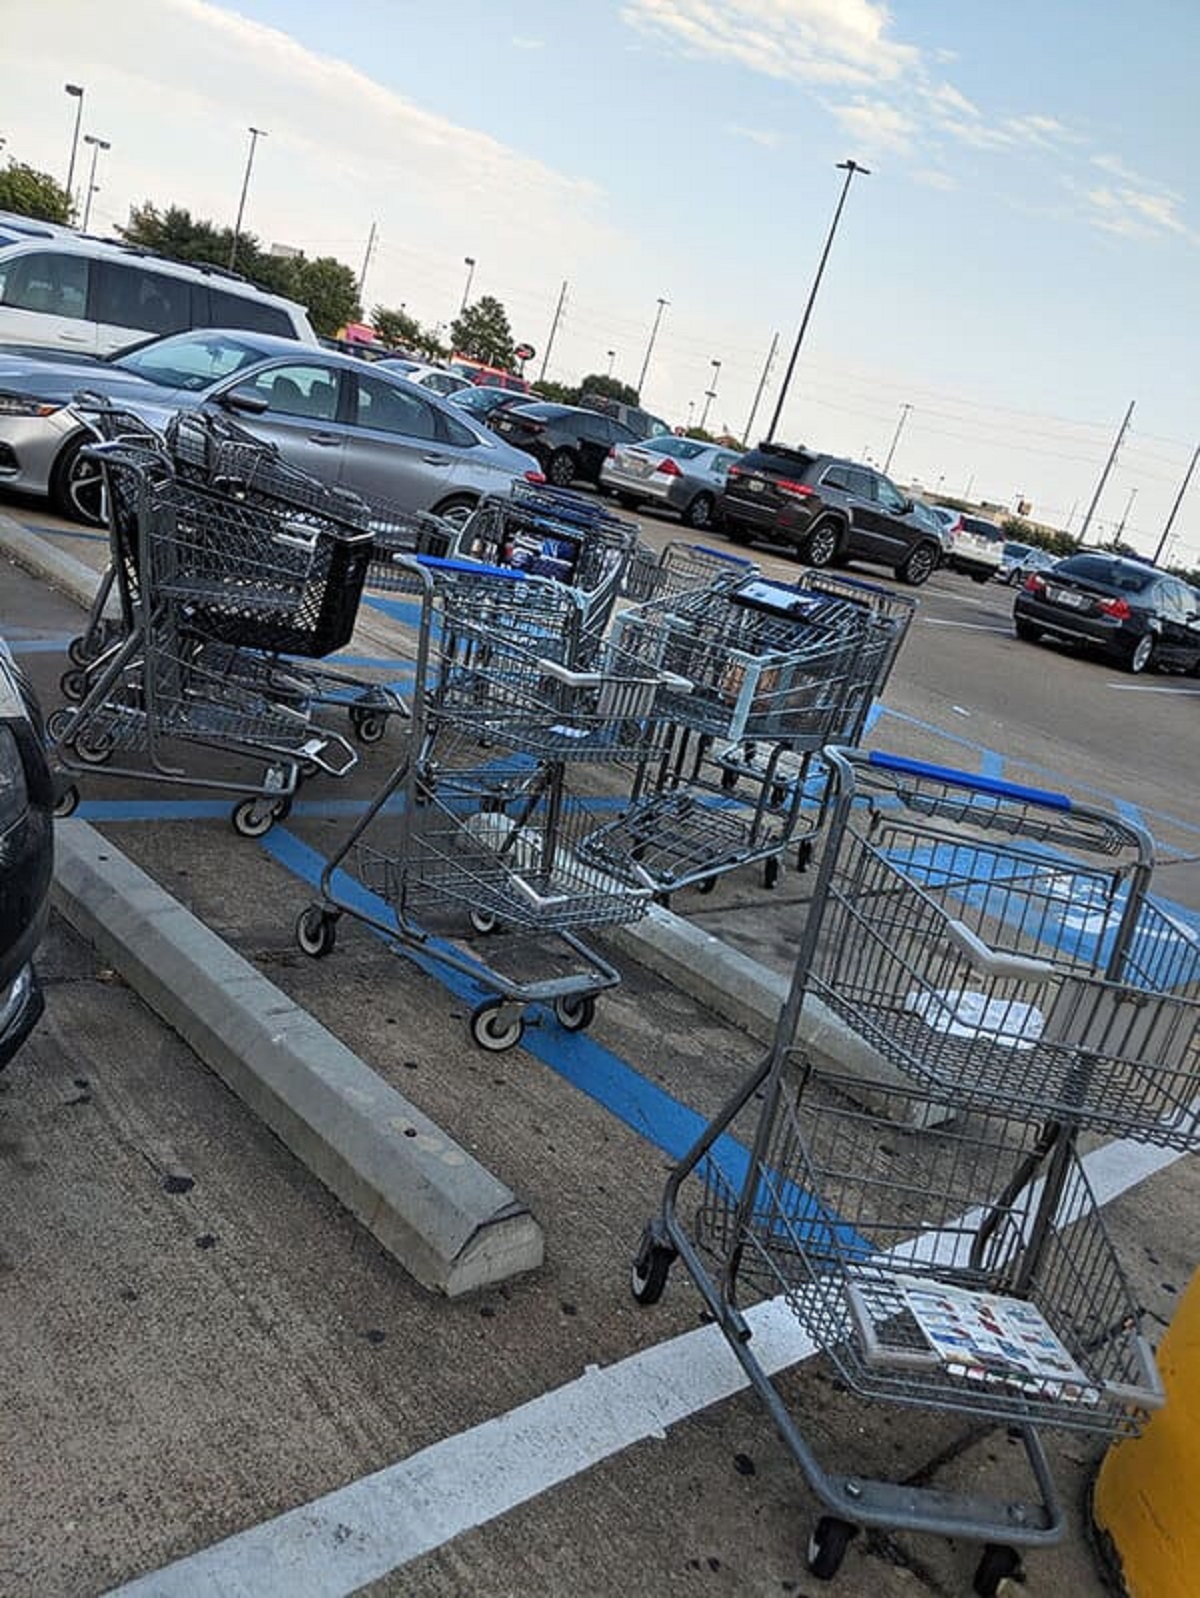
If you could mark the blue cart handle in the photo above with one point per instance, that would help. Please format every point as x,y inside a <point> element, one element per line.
<point>970,779</point>
<point>473,568</point>
<point>720,554</point>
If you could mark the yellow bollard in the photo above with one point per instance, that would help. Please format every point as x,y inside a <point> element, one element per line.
<point>1146,1502</point>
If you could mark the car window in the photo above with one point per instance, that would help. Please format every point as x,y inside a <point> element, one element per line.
<point>1111,572</point>
<point>861,483</point>
<point>983,529</point>
<point>442,382</point>
<point>453,431</point>
<point>298,389</point>
<point>596,427</point>
<point>240,310</point>
<point>133,296</point>
<point>680,449</point>
<point>192,361</point>
<point>390,409</point>
<point>889,496</point>
<point>722,461</point>
<point>56,285</point>
<point>836,477</point>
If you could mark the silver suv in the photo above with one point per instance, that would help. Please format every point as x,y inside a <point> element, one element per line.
<point>92,297</point>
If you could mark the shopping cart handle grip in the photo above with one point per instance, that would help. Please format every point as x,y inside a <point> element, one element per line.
<point>995,962</point>
<point>970,779</point>
<point>573,679</point>
<point>473,568</point>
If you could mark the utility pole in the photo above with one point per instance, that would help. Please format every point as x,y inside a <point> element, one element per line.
<point>362,276</point>
<point>1183,488</point>
<point>1108,466</point>
<point>558,310</point>
<point>1125,517</point>
<point>650,347</point>
<point>758,392</point>
<point>904,410</point>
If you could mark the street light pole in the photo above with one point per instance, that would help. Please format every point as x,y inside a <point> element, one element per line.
<point>469,263</point>
<point>849,168</point>
<point>650,346</point>
<point>1125,516</point>
<point>1108,466</point>
<point>904,410</point>
<point>75,90</point>
<point>1183,488</point>
<point>710,394</point>
<point>758,392</point>
<point>255,135</point>
<point>558,310</point>
<point>97,145</point>
<point>612,355</point>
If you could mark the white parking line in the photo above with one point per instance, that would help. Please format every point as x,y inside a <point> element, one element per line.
<point>1152,688</point>
<point>357,1534</point>
<point>973,626</point>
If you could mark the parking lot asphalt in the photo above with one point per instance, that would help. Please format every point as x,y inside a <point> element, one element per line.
<point>254,1282</point>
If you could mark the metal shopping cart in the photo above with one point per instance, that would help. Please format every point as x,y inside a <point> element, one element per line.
<point>772,668</point>
<point>997,949</point>
<point>681,568</point>
<point>223,587</point>
<point>478,829</point>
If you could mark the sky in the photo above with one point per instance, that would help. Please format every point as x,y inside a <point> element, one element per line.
<point>1018,266</point>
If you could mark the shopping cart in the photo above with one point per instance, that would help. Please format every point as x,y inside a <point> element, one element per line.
<point>963,1269</point>
<point>773,669</point>
<point>479,828</point>
<point>680,568</point>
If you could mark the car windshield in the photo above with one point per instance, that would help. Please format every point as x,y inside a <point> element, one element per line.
<point>1112,573</point>
<point>982,529</point>
<point>680,449</point>
<point>481,400</point>
<point>1016,551</point>
<point>191,361</point>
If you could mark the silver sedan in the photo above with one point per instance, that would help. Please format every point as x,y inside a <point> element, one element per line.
<point>332,415</point>
<point>682,474</point>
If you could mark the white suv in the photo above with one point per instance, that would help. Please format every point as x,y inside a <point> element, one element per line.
<point>976,547</point>
<point>90,296</point>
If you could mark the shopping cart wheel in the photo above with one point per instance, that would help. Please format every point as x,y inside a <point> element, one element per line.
<point>494,1029</point>
<point>729,780</point>
<point>94,751</point>
<point>58,723</point>
<point>827,1546</point>
<point>78,652</point>
<point>369,725</point>
<point>999,1567</point>
<point>770,872</point>
<point>316,931</point>
<point>483,921</point>
<point>650,1269</point>
<point>706,884</point>
<point>66,802</point>
<point>254,817</point>
<point>73,685</point>
<point>575,1012</point>
<point>804,855</point>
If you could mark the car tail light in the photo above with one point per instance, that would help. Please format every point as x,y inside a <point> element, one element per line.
<point>734,471</point>
<point>612,454</point>
<point>668,468</point>
<point>1034,584</point>
<point>785,485</point>
<point>1118,609</point>
<point>535,477</point>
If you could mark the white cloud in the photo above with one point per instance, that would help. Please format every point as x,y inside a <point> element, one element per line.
<point>876,125</point>
<point>1136,212</point>
<point>521,43</point>
<point>768,140</point>
<point>934,178</point>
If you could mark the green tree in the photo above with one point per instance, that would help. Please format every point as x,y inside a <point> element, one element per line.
<point>396,328</point>
<point>483,333</point>
<point>175,232</point>
<point>29,192</point>
<point>328,289</point>
<point>608,388</point>
<point>557,393</point>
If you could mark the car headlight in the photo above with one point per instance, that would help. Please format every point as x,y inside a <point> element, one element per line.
<point>26,405</point>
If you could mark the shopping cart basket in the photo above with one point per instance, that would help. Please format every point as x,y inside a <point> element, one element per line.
<point>680,568</point>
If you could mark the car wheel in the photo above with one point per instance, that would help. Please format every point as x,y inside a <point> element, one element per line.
<point>562,468</point>
<point>735,532</point>
<point>821,546</point>
<point>919,567</point>
<point>629,501</point>
<point>455,510</point>
<point>77,484</point>
<point>700,512</point>
<point>1027,632</point>
<point>1142,654</point>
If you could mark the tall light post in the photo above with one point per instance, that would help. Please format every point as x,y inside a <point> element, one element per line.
<point>75,90</point>
<point>1183,488</point>
<point>691,413</point>
<point>650,347</point>
<point>97,145</point>
<point>849,168</point>
<point>710,393</point>
<point>612,355</point>
<point>469,263</point>
<point>887,465</point>
<point>255,135</point>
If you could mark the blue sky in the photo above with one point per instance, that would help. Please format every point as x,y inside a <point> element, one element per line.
<point>1021,263</point>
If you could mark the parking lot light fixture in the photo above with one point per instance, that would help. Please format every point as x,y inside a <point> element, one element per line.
<point>650,347</point>
<point>469,263</point>
<point>97,145</point>
<point>255,135</point>
<point>612,355</point>
<point>850,168</point>
<point>75,90</point>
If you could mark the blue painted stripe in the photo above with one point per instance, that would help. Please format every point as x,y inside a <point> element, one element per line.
<point>587,1065</point>
<point>40,646</point>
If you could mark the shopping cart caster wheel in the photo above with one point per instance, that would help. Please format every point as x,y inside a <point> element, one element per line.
<point>369,725</point>
<point>575,1012</point>
<point>73,686</point>
<point>827,1546</point>
<point>483,921</point>
<point>804,856</point>
<point>650,1269</point>
<point>997,1571</point>
<point>253,818</point>
<point>58,723</point>
<point>729,781</point>
<point>495,1031</point>
<point>706,884</point>
<point>770,873</point>
<point>96,751</point>
<point>78,652</point>
<point>316,932</point>
<point>66,803</point>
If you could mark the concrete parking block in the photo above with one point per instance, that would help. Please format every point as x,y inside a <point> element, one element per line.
<point>451,1224</point>
<point>39,556</point>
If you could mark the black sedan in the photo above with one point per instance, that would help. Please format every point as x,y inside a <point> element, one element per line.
<point>569,442</point>
<point>1126,609</point>
<point>26,854</point>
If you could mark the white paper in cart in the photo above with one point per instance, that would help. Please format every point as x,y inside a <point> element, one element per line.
<point>967,1013</point>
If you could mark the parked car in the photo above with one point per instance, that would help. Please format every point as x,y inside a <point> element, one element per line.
<point>938,524</point>
<point>976,546</point>
<point>950,520</point>
<point>14,228</point>
<point>1018,560</point>
<point>94,297</point>
<point>332,415</point>
<point>570,442</point>
<point>1127,609</point>
<point>639,422</point>
<point>680,473</point>
<point>482,402</point>
<point>492,376</point>
<point>422,374</point>
<point>828,510</point>
<point>26,853</point>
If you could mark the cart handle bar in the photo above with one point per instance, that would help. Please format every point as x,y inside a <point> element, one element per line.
<point>970,779</point>
<point>720,554</point>
<point>869,588</point>
<point>472,568</point>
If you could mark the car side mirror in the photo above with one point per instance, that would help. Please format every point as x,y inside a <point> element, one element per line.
<point>247,400</point>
